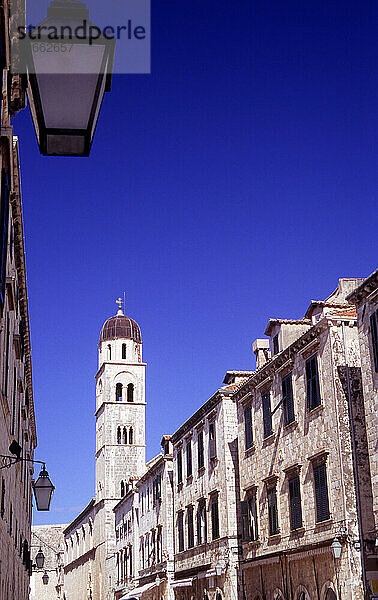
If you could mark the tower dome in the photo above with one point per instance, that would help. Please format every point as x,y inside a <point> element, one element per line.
<point>120,326</point>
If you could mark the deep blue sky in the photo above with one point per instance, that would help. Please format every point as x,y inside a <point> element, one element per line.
<point>233,184</point>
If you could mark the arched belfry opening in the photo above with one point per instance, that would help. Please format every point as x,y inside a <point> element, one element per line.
<point>131,436</point>
<point>130,392</point>
<point>123,351</point>
<point>118,392</point>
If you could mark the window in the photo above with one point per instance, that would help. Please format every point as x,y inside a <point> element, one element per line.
<point>130,393</point>
<point>123,351</point>
<point>267,414</point>
<point>374,337</point>
<point>276,347</point>
<point>249,518</point>
<point>180,531</point>
<point>119,436</point>
<point>4,220</point>
<point>118,392</point>
<point>214,517</point>
<point>122,489</point>
<point>189,465</point>
<point>212,441</point>
<point>295,502</point>
<point>312,378</point>
<point>273,511</point>
<point>248,432</point>
<point>200,453</point>
<point>131,440</point>
<point>179,466</point>
<point>159,544</point>
<point>124,437</point>
<point>321,493</point>
<point>109,352</point>
<point>287,399</point>
<point>201,523</point>
<point>190,527</point>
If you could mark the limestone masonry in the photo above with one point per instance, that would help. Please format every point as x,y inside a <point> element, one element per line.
<point>267,492</point>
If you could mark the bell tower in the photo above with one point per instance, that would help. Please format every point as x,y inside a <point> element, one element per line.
<point>120,407</point>
<point>120,429</point>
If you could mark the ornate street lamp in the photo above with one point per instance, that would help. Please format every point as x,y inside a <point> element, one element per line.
<point>40,559</point>
<point>336,548</point>
<point>45,578</point>
<point>67,78</point>
<point>43,490</point>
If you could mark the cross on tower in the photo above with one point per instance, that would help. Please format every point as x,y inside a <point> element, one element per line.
<point>119,302</point>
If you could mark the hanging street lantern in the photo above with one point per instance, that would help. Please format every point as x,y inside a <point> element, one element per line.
<point>336,548</point>
<point>45,578</point>
<point>40,559</point>
<point>43,490</point>
<point>69,69</point>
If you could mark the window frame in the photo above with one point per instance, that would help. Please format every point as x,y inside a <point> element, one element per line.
<point>179,469</point>
<point>200,450</point>
<point>212,440</point>
<point>214,510</point>
<point>188,457</point>
<point>180,531</point>
<point>250,517</point>
<point>190,526</point>
<point>373,320</point>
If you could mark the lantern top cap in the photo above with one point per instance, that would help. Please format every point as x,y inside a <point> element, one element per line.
<point>63,8</point>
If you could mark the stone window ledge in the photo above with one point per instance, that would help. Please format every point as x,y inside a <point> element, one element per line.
<point>269,438</point>
<point>292,425</point>
<point>316,410</point>
<point>250,451</point>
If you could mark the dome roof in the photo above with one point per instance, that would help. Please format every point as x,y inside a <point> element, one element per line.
<point>120,327</point>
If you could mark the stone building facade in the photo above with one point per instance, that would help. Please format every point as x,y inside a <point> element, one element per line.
<point>47,583</point>
<point>206,489</point>
<point>89,562</point>
<point>144,532</point>
<point>365,297</point>
<point>299,504</point>
<point>17,419</point>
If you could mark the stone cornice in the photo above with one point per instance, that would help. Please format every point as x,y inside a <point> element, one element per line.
<point>369,285</point>
<point>15,200</point>
<point>76,521</point>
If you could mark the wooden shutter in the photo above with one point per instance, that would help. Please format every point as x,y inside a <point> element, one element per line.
<point>248,427</point>
<point>374,337</point>
<point>288,401</point>
<point>313,387</point>
<point>321,493</point>
<point>4,220</point>
<point>200,449</point>
<point>179,466</point>
<point>244,516</point>
<point>189,469</point>
<point>267,414</point>
<point>215,518</point>
<point>252,518</point>
<point>272,509</point>
<point>212,441</point>
<point>295,503</point>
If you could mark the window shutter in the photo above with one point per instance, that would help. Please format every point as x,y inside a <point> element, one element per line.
<point>288,402</point>
<point>244,516</point>
<point>272,509</point>
<point>321,493</point>
<point>179,466</point>
<point>267,414</point>
<point>200,449</point>
<point>295,503</point>
<point>313,387</point>
<point>215,518</point>
<point>252,518</point>
<point>4,218</point>
<point>212,441</point>
<point>248,427</point>
<point>374,337</point>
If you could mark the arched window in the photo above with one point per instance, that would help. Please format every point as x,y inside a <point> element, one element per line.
<point>123,351</point>
<point>109,352</point>
<point>122,489</point>
<point>330,595</point>
<point>119,437</point>
<point>124,440</point>
<point>130,393</point>
<point>119,392</point>
<point>301,596</point>
<point>131,435</point>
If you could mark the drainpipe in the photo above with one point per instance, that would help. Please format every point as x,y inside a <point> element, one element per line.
<point>355,471</point>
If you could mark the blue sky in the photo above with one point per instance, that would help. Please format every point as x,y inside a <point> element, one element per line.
<point>233,184</point>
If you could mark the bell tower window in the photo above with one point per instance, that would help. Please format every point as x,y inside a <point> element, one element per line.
<point>119,437</point>
<point>124,435</point>
<point>130,393</point>
<point>131,435</point>
<point>119,392</point>
<point>109,352</point>
<point>123,351</point>
<point>122,489</point>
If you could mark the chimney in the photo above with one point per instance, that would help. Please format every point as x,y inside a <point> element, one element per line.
<point>261,351</point>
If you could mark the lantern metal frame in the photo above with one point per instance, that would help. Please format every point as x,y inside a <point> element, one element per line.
<point>35,100</point>
<point>7,461</point>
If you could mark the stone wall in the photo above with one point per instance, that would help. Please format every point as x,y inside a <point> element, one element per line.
<point>50,539</point>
